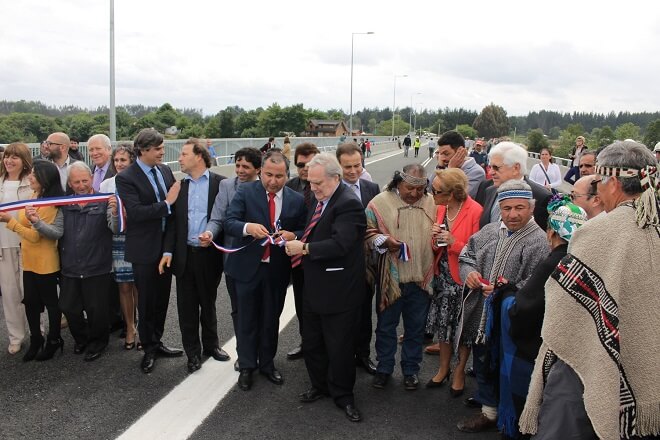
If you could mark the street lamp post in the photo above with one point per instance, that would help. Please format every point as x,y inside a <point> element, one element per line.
<point>411,107</point>
<point>350,120</point>
<point>415,127</point>
<point>113,116</point>
<point>394,101</point>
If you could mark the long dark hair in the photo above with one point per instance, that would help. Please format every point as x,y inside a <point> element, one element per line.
<point>48,176</point>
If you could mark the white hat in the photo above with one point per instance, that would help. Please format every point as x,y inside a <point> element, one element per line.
<point>657,148</point>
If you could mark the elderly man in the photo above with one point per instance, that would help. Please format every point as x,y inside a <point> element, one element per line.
<point>603,382</point>
<point>303,154</point>
<point>399,222</point>
<point>99,149</point>
<point>587,163</point>
<point>332,253</point>
<point>508,161</point>
<point>453,154</point>
<point>86,264</point>
<point>58,153</point>
<point>501,253</point>
<point>585,196</point>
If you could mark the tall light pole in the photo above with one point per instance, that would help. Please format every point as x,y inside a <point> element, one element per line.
<point>350,120</point>
<point>420,128</point>
<point>411,107</point>
<point>113,116</point>
<point>394,101</point>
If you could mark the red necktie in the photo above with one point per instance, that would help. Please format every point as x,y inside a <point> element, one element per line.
<point>297,259</point>
<point>307,193</point>
<point>271,211</point>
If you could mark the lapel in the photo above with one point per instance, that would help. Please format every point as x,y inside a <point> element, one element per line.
<point>214,186</point>
<point>183,200</point>
<point>491,195</point>
<point>144,181</point>
<point>262,203</point>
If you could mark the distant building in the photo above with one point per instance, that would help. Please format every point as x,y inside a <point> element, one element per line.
<point>322,128</point>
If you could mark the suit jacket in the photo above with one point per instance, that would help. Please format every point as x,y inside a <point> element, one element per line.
<point>335,267</point>
<point>144,213</point>
<point>540,194</point>
<point>250,205</point>
<point>176,233</point>
<point>368,190</point>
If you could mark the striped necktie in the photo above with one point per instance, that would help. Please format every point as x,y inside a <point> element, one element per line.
<point>297,259</point>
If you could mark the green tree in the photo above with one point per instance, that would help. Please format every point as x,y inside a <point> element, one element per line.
<point>536,140</point>
<point>627,131</point>
<point>10,133</point>
<point>195,130</point>
<point>371,126</point>
<point>213,129</point>
<point>466,131</point>
<point>492,122</point>
<point>606,136</point>
<point>167,115</point>
<point>247,121</point>
<point>554,132</point>
<point>439,127</point>
<point>652,136</point>
<point>226,124</point>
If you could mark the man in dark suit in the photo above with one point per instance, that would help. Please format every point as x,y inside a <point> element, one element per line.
<point>331,251</point>
<point>509,161</point>
<point>198,269</point>
<point>262,209</point>
<point>301,157</point>
<point>148,190</point>
<point>349,156</point>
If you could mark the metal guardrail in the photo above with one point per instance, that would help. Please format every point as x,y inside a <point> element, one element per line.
<point>558,160</point>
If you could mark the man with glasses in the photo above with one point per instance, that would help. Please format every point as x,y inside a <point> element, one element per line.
<point>585,196</point>
<point>58,152</point>
<point>587,163</point>
<point>303,154</point>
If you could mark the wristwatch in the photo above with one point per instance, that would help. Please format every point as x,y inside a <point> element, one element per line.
<point>305,249</point>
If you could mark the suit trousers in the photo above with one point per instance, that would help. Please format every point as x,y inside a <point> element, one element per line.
<point>91,295</point>
<point>196,292</point>
<point>298,283</point>
<point>365,327</point>
<point>231,289</point>
<point>11,282</point>
<point>153,300</point>
<point>260,302</point>
<point>329,360</point>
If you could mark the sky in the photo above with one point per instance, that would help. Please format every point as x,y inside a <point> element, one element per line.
<point>522,55</point>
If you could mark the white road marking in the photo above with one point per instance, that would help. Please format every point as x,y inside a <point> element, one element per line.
<point>179,413</point>
<point>383,158</point>
<point>426,162</point>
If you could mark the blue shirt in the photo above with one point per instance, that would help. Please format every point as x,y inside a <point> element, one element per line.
<point>198,202</point>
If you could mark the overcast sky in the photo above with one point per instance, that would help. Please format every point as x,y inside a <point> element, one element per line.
<point>522,55</point>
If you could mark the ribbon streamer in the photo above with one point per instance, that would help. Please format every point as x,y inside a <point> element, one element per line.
<point>56,201</point>
<point>404,252</point>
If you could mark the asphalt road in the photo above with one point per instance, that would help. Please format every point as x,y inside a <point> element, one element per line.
<point>66,398</point>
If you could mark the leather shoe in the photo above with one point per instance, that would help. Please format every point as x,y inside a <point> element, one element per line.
<point>93,355</point>
<point>218,354</point>
<point>477,423</point>
<point>79,348</point>
<point>148,362</point>
<point>380,380</point>
<point>366,363</point>
<point>237,366</point>
<point>311,395</point>
<point>245,379</point>
<point>471,402</point>
<point>273,376</point>
<point>411,383</point>
<point>352,413</point>
<point>194,363</point>
<point>294,354</point>
<point>164,351</point>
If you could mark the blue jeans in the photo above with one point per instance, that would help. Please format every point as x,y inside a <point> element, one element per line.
<point>487,383</point>
<point>572,175</point>
<point>413,306</point>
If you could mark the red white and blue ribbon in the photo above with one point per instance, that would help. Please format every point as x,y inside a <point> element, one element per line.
<point>121,214</point>
<point>227,250</point>
<point>404,252</point>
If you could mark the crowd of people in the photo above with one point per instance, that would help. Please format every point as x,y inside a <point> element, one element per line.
<point>552,295</point>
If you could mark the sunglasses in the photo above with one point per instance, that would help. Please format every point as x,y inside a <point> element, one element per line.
<point>301,165</point>
<point>496,168</point>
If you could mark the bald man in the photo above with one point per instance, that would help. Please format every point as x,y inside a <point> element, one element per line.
<point>585,196</point>
<point>58,144</point>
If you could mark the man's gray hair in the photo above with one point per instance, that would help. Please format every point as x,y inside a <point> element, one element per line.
<point>78,165</point>
<point>514,185</point>
<point>627,154</point>
<point>105,140</point>
<point>511,154</point>
<point>329,163</point>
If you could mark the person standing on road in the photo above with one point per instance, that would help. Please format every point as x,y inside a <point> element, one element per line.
<point>417,145</point>
<point>142,188</point>
<point>406,145</point>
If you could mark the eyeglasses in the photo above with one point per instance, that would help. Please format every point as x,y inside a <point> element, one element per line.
<point>301,165</point>
<point>497,168</point>
<point>49,143</point>
<point>574,196</point>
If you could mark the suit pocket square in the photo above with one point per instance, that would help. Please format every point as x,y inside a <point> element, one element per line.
<point>334,269</point>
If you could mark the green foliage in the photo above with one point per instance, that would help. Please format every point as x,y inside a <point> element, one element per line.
<point>627,131</point>
<point>554,132</point>
<point>212,129</point>
<point>652,136</point>
<point>466,131</point>
<point>606,136</point>
<point>536,140</point>
<point>195,130</point>
<point>384,128</point>
<point>371,126</point>
<point>492,122</point>
<point>226,124</point>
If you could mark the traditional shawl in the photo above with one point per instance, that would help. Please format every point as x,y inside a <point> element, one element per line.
<point>388,215</point>
<point>601,319</point>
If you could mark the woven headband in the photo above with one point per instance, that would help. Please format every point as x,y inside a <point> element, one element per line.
<point>412,180</point>
<point>514,194</point>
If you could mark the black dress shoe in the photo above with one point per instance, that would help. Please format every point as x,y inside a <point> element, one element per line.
<point>352,413</point>
<point>148,362</point>
<point>380,380</point>
<point>194,363</point>
<point>93,355</point>
<point>79,348</point>
<point>311,395</point>
<point>245,379</point>
<point>411,383</point>
<point>471,402</point>
<point>164,351</point>
<point>366,363</point>
<point>218,354</point>
<point>237,366</point>
<point>294,354</point>
<point>273,376</point>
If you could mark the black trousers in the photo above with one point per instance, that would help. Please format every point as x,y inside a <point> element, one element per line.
<point>91,295</point>
<point>231,289</point>
<point>298,283</point>
<point>260,302</point>
<point>153,300</point>
<point>196,292</point>
<point>40,290</point>
<point>364,329</point>
<point>329,359</point>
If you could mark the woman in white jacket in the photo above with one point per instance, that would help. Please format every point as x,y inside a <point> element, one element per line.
<point>546,173</point>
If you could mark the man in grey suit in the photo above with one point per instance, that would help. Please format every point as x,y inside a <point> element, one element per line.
<point>349,156</point>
